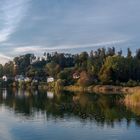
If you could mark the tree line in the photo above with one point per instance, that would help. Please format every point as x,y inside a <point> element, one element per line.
<point>102,66</point>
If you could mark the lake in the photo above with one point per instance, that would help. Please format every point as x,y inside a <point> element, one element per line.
<point>41,115</point>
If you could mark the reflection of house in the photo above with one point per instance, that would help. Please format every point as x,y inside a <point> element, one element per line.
<point>4,93</point>
<point>4,78</point>
<point>19,78</point>
<point>76,75</point>
<point>50,79</point>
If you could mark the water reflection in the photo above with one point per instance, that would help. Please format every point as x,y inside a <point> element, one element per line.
<point>102,109</point>
<point>4,93</point>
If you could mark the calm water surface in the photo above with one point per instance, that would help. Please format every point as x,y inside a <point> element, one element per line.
<point>38,115</point>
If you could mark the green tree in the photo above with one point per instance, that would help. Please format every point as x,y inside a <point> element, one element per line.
<point>85,79</point>
<point>1,70</point>
<point>129,53</point>
<point>66,76</point>
<point>8,69</point>
<point>52,69</point>
<point>115,68</point>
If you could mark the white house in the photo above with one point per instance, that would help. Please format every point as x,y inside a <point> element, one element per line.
<point>50,79</point>
<point>35,80</point>
<point>50,95</point>
<point>19,78</point>
<point>27,79</point>
<point>76,75</point>
<point>4,78</point>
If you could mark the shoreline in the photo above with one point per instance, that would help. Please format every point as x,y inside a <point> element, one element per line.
<point>104,89</point>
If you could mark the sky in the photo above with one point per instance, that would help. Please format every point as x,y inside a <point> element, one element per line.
<point>36,26</point>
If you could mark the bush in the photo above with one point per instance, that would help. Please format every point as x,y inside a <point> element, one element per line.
<point>59,84</point>
<point>131,83</point>
<point>21,84</point>
<point>15,84</point>
<point>85,79</point>
<point>66,76</point>
<point>133,99</point>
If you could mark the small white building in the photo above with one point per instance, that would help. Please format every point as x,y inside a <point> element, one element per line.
<point>50,95</point>
<point>76,75</point>
<point>19,78</point>
<point>4,78</point>
<point>35,81</point>
<point>50,79</point>
<point>27,79</point>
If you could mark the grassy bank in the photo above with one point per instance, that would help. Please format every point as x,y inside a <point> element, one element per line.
<point>133,99</point>
<point>59,85</point>
<point>104,89</point>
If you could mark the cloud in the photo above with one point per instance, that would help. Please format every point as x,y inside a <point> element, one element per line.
<point>12,12</point>
<point>100,44</point>
<point>37,49</point>
<point>38,18</point>
<point>67,25</point>
<point>25,49</point>
<point>4,59</point>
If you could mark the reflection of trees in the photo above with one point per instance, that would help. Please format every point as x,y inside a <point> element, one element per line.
<point>102,108</point>
<point>93,107</point>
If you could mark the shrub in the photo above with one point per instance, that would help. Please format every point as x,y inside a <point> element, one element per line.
<point>131,83</point>
<point>85,79</point>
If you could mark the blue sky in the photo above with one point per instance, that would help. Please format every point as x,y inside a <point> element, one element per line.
<point>35,26</point>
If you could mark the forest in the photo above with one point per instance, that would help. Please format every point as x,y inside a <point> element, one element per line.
<point>103,66</point>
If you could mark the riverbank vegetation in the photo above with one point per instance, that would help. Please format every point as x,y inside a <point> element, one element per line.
<point>133,100</point>
<point>100,67</point>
